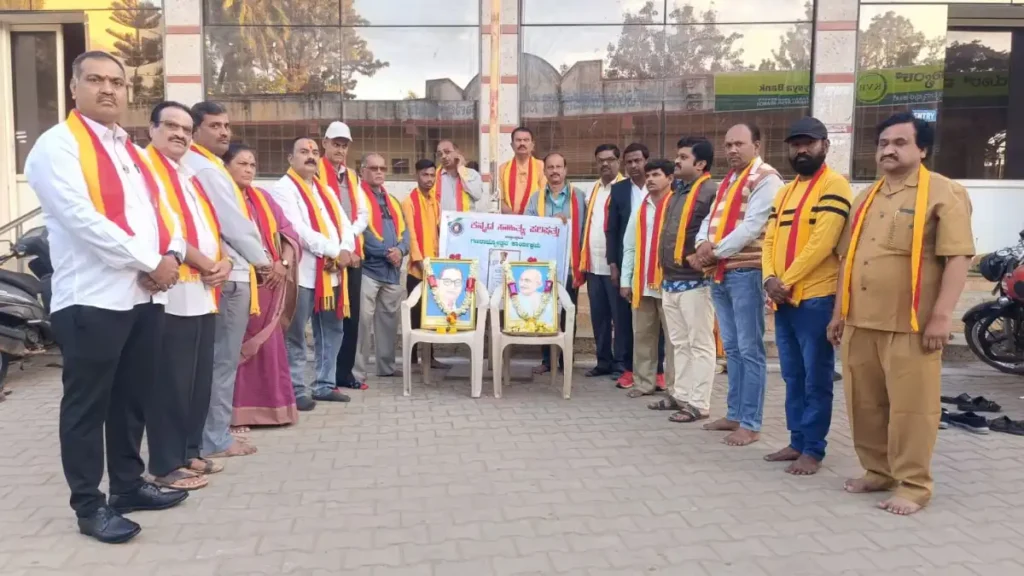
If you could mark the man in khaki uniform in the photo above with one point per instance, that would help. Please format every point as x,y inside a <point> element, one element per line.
<point>908,240</point>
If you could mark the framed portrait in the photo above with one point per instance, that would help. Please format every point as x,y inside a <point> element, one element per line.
<point>531,298</point>
<point>495,271</point>
<point>449,295</point>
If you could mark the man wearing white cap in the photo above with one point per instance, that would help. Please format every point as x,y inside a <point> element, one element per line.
<point>345,184</point>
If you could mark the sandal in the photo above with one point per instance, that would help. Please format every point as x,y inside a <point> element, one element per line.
<point>236,449</point>
<point>1007,426</point>
<point>637,393</point>
<point>665,404</point>
<point>204,466</point>
<point>979,404</point>
<point>955,399</point>
<point>687,414</point>
<point>182,479</point>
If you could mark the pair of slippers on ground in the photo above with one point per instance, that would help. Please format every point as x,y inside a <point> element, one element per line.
<point>970,420</point>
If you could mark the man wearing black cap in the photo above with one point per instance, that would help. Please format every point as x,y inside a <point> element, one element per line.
<point>800,268</point>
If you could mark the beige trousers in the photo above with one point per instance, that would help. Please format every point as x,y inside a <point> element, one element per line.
<point>647,321</point>
<point>690,329</point>
<point>892,393</point>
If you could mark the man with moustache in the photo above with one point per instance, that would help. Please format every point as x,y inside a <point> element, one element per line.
<point>181,397</point>
<point>422,212</point>
<point>327,245</point>
<point>344,184</point>
<point>685,295</point>
<point>522,176</point>
<point>211,135</point>
<point>387,243</point>
<point>604,297</point>
<point>102,207</point>
<point>729,248</point>
<point>561,200</point>
<point>458,186</point>
<point>626,197</point>
<point>906,251</point>
<point>800,266</point>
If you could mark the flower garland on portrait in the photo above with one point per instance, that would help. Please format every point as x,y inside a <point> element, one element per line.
<point>451,315</point>
<point>531,323</point>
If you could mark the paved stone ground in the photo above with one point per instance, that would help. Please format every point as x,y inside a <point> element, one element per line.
<point>440,484</point>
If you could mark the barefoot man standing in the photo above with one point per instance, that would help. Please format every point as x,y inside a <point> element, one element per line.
<point>908,246</point>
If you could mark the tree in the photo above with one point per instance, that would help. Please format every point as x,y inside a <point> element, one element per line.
<point>690,44</point>
<point>141,45</point>
<point>973,56</point>
<point>266,54</point>
<point>411,95</point>
<point>794,51</point>
<point>891,41</point>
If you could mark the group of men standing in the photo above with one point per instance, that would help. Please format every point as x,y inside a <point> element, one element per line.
<point>666,249</point>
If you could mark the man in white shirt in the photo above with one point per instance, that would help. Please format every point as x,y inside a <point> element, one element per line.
<point>603,294</point>
<point>326,249</point>
<point>243,244</point>
<point>181,398</point>
<point>337,140</point>
<point>452,175</point>
<point>101,207</point>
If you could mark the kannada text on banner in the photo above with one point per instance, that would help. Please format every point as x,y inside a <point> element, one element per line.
<point>492,238</point>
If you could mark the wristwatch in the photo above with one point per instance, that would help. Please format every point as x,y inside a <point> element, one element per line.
<point>177,257</point>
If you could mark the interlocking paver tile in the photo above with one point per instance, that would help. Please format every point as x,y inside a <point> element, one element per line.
<point>440,484</point>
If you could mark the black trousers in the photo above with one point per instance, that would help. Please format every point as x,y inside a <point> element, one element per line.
<point>546,350</point>
<point>350,338</point>
<point>181,398</point>
<point>110,367</point>
<point>624,336</point>
<point>604,297</point>
<point>411,282</point>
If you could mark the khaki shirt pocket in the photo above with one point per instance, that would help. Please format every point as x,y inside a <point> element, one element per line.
<point>901,231</point>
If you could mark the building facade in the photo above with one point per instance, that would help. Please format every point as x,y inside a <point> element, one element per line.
<point>406,73</point>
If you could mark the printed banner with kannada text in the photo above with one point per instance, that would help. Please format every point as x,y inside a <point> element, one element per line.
<point>737,91</point>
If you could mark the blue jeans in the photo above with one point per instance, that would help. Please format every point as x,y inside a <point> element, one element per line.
<point>808,361</point>
<point>327,333</point>
<point>739,304</point>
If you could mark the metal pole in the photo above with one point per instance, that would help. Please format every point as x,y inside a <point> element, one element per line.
<point>494,122</point>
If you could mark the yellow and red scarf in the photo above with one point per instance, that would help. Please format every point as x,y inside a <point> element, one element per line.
<point>323,291</point>
<point>376,224</point>
<point>426,236</point>
<point>732,196</point>
<point>574,217</point>
<point>254,297</point>
<point>265,221</point>
<point>533,175</point>
<point>648,253</point>
<point>924,178</point>
<point>688,206</point>
<point>585,252</point>
<point>463,201</point>
<point>800,229</point>
<point>104,183</point>
<point>328,177</point>
<point>168,176</point>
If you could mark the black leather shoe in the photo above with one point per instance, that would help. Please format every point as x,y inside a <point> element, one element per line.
<point>146,497</point>
<point>305,403</point>
<point>108,526</point>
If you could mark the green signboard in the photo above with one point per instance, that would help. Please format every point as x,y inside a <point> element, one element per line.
<point>737,91</point>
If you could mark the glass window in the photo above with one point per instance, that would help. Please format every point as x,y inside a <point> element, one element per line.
<point>656,83</point>
<point>740,11</point>
<point>663,11</point>
<point>410,13</point>
<point>281,13</point>
<point>281,82</point>
<point>6,5</point>
<point>592,12</point>
<point>36,93</point>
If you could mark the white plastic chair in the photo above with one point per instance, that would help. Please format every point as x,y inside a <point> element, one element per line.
<point>563,340</point>
<point>425,338</point>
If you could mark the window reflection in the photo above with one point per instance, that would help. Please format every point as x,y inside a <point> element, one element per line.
<point>593,12</point>
<point>656,83</point>
<point>284,82</point>
<point>740,11</point>
<point>278,13</point>
<point>406,12</point>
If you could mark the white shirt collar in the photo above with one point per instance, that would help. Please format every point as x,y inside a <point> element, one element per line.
<point>102,131</point>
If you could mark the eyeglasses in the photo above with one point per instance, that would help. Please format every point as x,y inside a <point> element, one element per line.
<point>451,282</point>
<point>174,126</point>
<point>376,168</point>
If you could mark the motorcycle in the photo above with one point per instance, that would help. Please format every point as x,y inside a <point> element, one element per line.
<point>25,329</point>
<point>995,329</point>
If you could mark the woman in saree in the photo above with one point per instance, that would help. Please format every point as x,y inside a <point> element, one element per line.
<point>263,386</point>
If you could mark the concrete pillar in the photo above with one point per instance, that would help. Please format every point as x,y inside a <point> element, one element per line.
<point>508,92</point>
<point>834,88</point>
<point>183,50</point>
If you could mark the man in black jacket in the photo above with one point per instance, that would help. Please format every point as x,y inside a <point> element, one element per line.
<point>626,196</point>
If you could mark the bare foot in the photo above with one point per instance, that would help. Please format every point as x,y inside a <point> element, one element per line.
<point>804,466</point>
<point>236,449</point>
<point>721,425</point>
<point>541,369</point>
<point>862,486</point>
<point>899,506</point>
<point>787,454</point>
<point>742,437</point>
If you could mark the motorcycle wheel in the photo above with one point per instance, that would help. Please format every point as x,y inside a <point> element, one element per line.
<point>989,336</point>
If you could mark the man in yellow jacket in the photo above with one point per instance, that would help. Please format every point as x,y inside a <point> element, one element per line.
<point>800,268</point>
